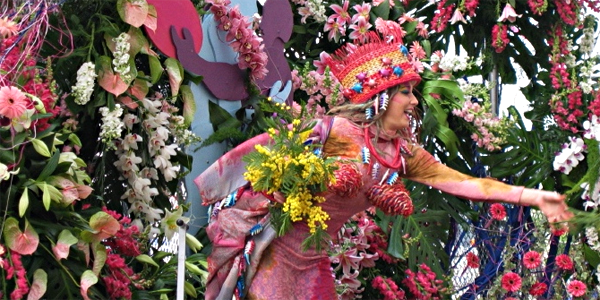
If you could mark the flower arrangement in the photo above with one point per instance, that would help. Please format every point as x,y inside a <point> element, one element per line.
<point>82,194</point>
<point>295,169</point>
<point>489,131</point>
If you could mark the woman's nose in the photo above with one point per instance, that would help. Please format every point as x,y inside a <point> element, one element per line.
<point>413,100</point>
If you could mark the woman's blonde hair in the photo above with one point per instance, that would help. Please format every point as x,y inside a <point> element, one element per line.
<point>357,113</point>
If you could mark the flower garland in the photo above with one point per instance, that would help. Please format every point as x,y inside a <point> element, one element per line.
<point>241,38</point>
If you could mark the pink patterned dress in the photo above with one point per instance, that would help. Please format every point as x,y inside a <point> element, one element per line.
<point>277,268</point>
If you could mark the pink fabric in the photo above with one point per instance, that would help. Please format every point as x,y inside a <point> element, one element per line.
<point>279,268</point>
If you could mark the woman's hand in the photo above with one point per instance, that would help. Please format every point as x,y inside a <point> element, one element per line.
<point>551,204</point>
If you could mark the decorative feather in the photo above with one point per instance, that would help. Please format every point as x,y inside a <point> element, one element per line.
<point>393,178</point>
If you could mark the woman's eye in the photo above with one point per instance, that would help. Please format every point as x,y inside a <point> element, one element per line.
<point>405,92</point>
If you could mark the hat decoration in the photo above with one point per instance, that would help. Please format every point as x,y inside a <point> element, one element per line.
<point>370,68</point>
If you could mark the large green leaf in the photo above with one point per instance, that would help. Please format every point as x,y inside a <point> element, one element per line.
<point>528,159</point>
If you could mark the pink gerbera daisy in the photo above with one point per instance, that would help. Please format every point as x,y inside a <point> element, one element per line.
<point>564,262</point>
<point>531,260</point>
<point>13,102</point>
<point>511,282</point>
<point>497,211</point>
<point>538,289</point>
<point>576,288</point>
<point>417,51</point>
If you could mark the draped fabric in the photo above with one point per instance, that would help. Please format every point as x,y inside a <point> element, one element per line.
<point>278,267</point>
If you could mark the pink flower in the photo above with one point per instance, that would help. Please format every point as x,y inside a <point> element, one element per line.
<point>8,28</point>
<point>511,282</point>
<point>13,102</point>
<point>361,11</point>
<point>361,28</point>
<point>538,289</point>
<point>335,28</point>
<point>564,262</point>
<point>422,30</point>
<point>457,17</point>
<point>497,211</point>
<point>576,288</point>
<point>472,260</point>
<point>417,51</point>
<point>341,13</point>
<point>389,28</point>
<point>531,259</point>
<point>508,13</point>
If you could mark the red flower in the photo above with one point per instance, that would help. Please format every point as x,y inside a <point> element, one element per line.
<point>472,260</point>
<point>511,282</point>
<point>531,260</point>
<point>576,288</point>
<point>564,262</point>
<point>497,211</point>
<point>538,289</point>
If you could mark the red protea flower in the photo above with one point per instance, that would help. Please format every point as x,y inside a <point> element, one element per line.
<point>348,180</point>
<point>392,199</point>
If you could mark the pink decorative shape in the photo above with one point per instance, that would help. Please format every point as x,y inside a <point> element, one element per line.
<point>180,14</point>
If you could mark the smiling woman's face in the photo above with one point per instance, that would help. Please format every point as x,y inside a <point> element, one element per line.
<point>400,109</point>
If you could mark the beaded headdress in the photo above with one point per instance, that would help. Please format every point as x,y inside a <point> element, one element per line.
<point>369,68</point>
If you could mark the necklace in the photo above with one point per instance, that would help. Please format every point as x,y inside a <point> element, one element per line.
<point>396,162</point>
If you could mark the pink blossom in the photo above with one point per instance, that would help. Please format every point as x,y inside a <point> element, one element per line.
<point>335,28</point>
<point>13,102</point>
<point>511,282</point>
<point>457,17</point>
<point>362,10</point>
<point>8,28</point>
<point>361,28</point>
<point>422,30</point>
<point>576,288</point>
<point>508,13</point>
<point>531,260</point>
<point>564,262</point>
<point>417,51</point>
<point>341,13</point>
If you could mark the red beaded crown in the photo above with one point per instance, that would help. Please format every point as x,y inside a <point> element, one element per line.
<point>369,68</point>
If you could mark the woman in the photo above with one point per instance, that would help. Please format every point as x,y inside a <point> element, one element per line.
<point>373,138</point>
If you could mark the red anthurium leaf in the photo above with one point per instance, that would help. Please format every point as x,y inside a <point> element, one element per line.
<point>38,287</point>
<point>23,242</point>
<point>88,278</point>
<point>108,80</point>
<point>65,240</point>
<point>104,226</point>
<point>139,90</point>
<point>133,13</point>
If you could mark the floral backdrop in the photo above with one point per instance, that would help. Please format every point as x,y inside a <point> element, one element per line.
<point>94,131</point>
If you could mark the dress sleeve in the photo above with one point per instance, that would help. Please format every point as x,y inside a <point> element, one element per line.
<point>424,168</point>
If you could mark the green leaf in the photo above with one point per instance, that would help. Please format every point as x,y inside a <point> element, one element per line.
<point>23,242</point>
<point>50,167</point>
<point>24,202</point>
<point>146,259</point>
<point>133,13</point>
<point>40,147</point>
<point>88,278</point>
<point>189,289</point>
<point>175,72</point>
<point>75,139</point>
<point>156,69</point>
<point>189,104</point>
<point>382,10</point>
<point>46,199</point>
<point>39,285</point>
